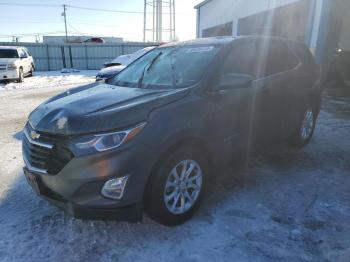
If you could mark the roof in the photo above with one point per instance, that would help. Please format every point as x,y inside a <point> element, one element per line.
<point>10,47</point>
<point>223,40</point>
<point>203,41</point>
<point>202,3</point>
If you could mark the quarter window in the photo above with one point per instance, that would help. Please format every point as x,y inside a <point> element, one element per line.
<point>28,53</point>
<point>275,57</point>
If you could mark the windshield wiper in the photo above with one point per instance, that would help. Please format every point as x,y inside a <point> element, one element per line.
<point>148,67</point>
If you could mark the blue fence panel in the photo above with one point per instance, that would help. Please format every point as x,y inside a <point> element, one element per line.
<point>84,56</point>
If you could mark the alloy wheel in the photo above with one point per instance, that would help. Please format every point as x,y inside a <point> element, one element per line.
<point>183,186</point>
<point>307,124</point>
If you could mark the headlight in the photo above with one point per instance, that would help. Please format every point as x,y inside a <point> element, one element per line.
<point>11,66</point>
<point>108,141</point>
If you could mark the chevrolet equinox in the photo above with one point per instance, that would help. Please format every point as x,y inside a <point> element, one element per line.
<point>151,138</point>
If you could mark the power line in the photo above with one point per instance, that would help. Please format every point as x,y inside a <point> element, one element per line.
<point>76,30</point>
<point>71,6</point>
<point>30,22</point>
<point>108,10</point>
<point>29,4</point>
<point>31,34</point>
<point>74,7</point>
<point>94,24</point>
<point>79,22</point>
<point>104,10</point>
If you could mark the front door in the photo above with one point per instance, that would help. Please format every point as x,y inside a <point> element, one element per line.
<point>234,108</point>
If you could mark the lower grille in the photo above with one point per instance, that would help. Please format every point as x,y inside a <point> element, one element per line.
<point>45,154</point>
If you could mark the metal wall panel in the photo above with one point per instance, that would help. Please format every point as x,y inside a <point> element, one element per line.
<point>84,56</point>
<point>218,12</point>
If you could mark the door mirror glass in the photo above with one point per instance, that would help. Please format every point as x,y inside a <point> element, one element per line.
<point>233,81</point>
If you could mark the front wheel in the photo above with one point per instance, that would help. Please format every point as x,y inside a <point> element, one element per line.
<point>177,187</point>
<point>306,128</point>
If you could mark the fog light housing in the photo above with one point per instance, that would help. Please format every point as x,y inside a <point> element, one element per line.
<point>114,188</point>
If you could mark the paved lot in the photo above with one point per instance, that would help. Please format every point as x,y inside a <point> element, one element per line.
<point>287,206</point>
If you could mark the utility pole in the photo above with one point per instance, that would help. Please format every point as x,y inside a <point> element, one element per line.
<point>64,14</point>
<point>144,21</point>
<point>173,15</point>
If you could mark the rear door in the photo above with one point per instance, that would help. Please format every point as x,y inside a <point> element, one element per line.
<point>305,86</point>
<point>30,59</point>
<point>25,61</point>
<point>274,75</point>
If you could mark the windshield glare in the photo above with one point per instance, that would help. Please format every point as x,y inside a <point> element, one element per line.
<point>167,67</point>
<point>8,53</point>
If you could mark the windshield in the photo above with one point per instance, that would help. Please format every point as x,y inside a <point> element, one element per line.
<point>138,54</point>
<point>8,53</point>
<point>167,67</point>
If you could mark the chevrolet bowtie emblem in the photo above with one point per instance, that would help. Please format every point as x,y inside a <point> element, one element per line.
<point>34,135</point>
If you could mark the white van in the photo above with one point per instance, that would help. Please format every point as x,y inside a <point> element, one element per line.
<point>15,63</point>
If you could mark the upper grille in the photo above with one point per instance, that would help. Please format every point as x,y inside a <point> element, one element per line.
<point>45,154</point>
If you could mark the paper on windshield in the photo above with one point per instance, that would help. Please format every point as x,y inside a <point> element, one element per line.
<point>200,49</point>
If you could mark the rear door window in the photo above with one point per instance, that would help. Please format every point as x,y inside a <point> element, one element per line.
<point>241,59</point>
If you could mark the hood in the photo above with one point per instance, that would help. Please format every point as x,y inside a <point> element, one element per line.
<point>110,71</point>
<point>8,60</point>
<point>98,108</point>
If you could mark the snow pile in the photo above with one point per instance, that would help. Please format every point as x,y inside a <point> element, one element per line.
<point>51,79</point>
<point>69,70</point>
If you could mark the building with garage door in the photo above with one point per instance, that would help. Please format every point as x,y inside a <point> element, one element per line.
<point>324,25</point>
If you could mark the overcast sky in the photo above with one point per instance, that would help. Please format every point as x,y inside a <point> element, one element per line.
<point>17,20</point>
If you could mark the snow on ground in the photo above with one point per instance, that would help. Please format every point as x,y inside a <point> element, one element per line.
<point>289,205</point>
<point>51,79</point>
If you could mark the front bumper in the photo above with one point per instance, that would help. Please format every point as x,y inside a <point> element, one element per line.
<point>8,74</point>
<point>130,213</point>
<point>77,187</point>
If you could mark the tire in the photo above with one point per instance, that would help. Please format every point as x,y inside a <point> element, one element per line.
<point>163,185</point>
<point>20,75</point>
<point>306,128</point>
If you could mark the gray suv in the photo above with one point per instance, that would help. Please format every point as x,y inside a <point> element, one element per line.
<point>151,139</point>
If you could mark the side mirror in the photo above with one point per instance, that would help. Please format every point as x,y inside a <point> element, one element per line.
<point>233,81</point>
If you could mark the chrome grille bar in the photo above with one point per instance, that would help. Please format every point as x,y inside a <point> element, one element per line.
<point>46,145</point>
<point>33,168</point>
